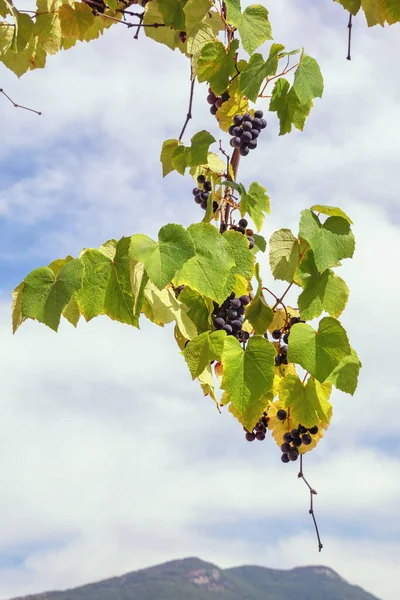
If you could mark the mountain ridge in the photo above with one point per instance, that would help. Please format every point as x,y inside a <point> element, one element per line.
<point>194,579</point>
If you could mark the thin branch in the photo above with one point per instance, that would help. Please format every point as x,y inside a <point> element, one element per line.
<point>312,494</point>
<point>226,156</point>
<point>350,25</point>
<point>272,293</point>
<point>189,113</point>
<point>19,105</point>
<point>136,36</point>
<point>284,72</point>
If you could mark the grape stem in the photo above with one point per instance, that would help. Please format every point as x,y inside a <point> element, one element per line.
<point>15,105</point>
<point>350,25</point>
<point>189,113</point>
<point>311,510</point>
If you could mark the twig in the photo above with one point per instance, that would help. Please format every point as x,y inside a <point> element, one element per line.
<point>350,25</point>
<point>272,293</point>
<point>226,156</point>
<point>189,113</point>
<point>311,510</point>
<point>19,105</point>
<point>136,36</point>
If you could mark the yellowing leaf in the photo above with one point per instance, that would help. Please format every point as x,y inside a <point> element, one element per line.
<point>76,20</point>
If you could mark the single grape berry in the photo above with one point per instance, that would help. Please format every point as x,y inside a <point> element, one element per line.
<point>281,414</point>
<point>237,119</point>
<point>219,323</point>
<point>246,137</point>
<point>263,123</point>
<point>245,300</point>
<point>196,191</point>
<point>247,117</point>
<point>247,126</point>
<point>283,349</point>
<point>236,325</point>
<point>286,447</point>
<point>294,433</point>
<point>241,311</point>
<point>198,199</point>
<point>293,455</point>
<point>306,439</point>
<point>205,196</point>
<point>230,130</point>
<point>252,144</point>
<point>243,223</point>
<point>235,303</point>
<point>276,334</point>
<point>235,142</point>
<point>286,338</point>
<point>257,123</point>
<point>260,435</point>
<point>204,204</point>
<point>225,97</point>
<point>285,458</point>
<point>297,442</point>
<point>244,150</point>
<point>313,430</point>
<point>201,179</point>
<point>250,232</point>
<point>251,243</point>
<point>241,229</point>
<point>213,109</point>
<point>250,437</point>
<point>236,131</point>
<point>260,426</point>
<point>287,437</point>
<point>258,114</point>
<point>207,186</point>
<point>211,98</point>
<point>227,328</point>
<point>302,429</point>
<point>231,314</point>
<point>294,320</point>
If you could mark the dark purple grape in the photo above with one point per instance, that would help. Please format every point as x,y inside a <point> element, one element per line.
<point>213,109</point>
<point>253,144</point>
<point>283,349</point>
<point>243,223</point>
<point>236,325</point>
<point>245,300</point>
<point>241,229</point>
<point>276,334</point>
<point>286,447</point>
<point>204,204</point>
<point>244,150</point>
<point>219,102</point>
<point>306,439</point>
<point>285,458</point>
<point>230,130</point>
<point>231,314</point>
<point>281,414</point>
<point>247,117</point>
<point>264,420</point>
<point>246,137</point>
<point>297,442</point>
<point>294,433</point>
<point>260,426</point>
<point>235,303</point>
<point>313,430</point>
<point>257,123</point>
<point>232,142</point>
<point>241,311</point>
<point>254,134</point>
<point>237,131</point>
<point>263,123</point>
<point>238,119</point>
<point>207,186</point>
<point>284,360</point>
<point>225,96</point>
<point>250,437</point>
<point>294,320</point>
<point>293,455</point>
<point>211,98</point>
<point>235,142</point>
<point>247,126</point>
<point>258,114</point>
<point>198,199</point>
<point>260,435</point>
<point>251,243</point>
<point>201,179</point>
<point>196,191</point>
<point>215,205</point>
<point>205,196</point>
<point>286,338</point>
<point>221,314</point>
<point>227,328</point>
<point>287,437</point>
<point>302,429</point>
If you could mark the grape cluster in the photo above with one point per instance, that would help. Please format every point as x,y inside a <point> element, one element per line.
<point>216,101</point>
<point>241,227</point>
<point>245,131</point>
<point>201,194</point>
<point>292,440</point>
<point>260,430</point>
<point>282,336</point>
<point>230,316</point>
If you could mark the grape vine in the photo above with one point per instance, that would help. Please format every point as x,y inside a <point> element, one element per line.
<point>263,361</point>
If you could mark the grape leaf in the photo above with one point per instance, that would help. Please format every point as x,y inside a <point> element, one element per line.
<point>258,69</point>
<point>203,349</point>
<point>208,270</point>
<point>198,307</point>
<point>308,82</point>
<point>173,13</point>
<point>6,38</point>
<point>44,296</point>
<point>32,57</point>
<point>164,258</point>
<point>284,254</point>
<point>331,211</point>
<point>106,287</point>
<point>16,311</point>
<point>194,155</point>
<point>195,11</point>
<point>389,10</point>
<point>24,32</point>
<point>163,35</point>
<point>318,352</point>
<point>196,42</point>
<point>345,375</point>
<point>286,104</point>
<point>168,148</point>
<point>139,279</point>
<point>260,243</point>
<point>244,258</point>
<point>330,242</point>
<point>216,65</point>
<point>206,381</point>
<point>323,292</point>
<point>71,312</point>
<point>247,377</point>
<point>76,20</point>
<point>235,105</point>
<point>255,202</point>
<point>253,24</point>
<point>161,307</point>
<point>309,405</point>
<point>258,312</point>
<point>352,6</point>
<point>3,8</point>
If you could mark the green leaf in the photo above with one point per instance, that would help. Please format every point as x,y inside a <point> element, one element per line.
<point>163,35</point>
<point>208,270</point>
<point>198,308</point>
<point>308,82</point>
<point>32,57</point>
<point>390,11</point>
<point>255,203</point>
<point>71,312</point>
<point>319,352</point>
<point>352,6</point>
<point>44,296</point>
<point>76,20</point>
<point>345,375</point>
<point>164,258</point>
<point>194,155</point>
<point>252,78</point>
<point>16,311</point>
<point>106,287</point>
<point>215,65</point>
<point>196,42</point>
<point>25,29</point>
<point>258,313</point>
<point>6,38</point>
<point>203,349</point>
<point>309,405</point>
<point>247,377</point>
<point>260,243</point>
<point>139,280</point>
<point>244,258</point>
<point>253,25</point>
<point>323,292</point>
<point>48,25</point>
<point>284,254</point>
<point>330,242</point>
<point>168,148</point>
<point>3,8</point>
<point>195,11</point>
<point>161,307</point>
<point>173,13</point>
<point>286,104</point>
<point>206,381</point>
<point>111,4</point>
<point>331,211</point>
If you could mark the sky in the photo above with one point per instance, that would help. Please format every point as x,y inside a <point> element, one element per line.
<point>111,459</point>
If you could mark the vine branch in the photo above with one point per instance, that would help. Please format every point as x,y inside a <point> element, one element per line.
<point>311,510</point>
<point>350,26</point>
<point>189,113</point>
<point>37,112</point>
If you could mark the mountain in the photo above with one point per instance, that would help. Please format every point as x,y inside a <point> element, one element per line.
<point>194,579</point>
